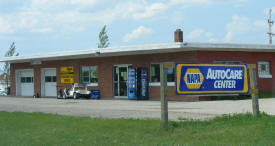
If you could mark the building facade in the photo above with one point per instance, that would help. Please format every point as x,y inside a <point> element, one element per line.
<point>106,70</point>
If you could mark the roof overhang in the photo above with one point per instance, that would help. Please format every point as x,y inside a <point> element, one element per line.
<point>139,49</point>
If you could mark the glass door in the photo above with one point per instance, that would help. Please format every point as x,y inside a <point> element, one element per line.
<point>120,81</point>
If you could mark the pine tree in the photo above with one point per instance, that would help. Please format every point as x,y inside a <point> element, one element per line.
<point>6,69</point>
<point>103,38</point>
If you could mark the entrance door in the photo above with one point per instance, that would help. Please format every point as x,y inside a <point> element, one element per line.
<point>48,82</point>
<point>120,81</point>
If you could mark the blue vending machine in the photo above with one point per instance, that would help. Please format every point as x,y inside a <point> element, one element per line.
<point>142,83</point>
<point>131,83</point>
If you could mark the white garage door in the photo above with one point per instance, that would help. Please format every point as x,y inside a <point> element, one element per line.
<point>48,82</point>
<point>24,84</point>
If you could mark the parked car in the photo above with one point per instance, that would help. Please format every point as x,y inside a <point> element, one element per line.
<point>77,91</point>
<point>3,93</point>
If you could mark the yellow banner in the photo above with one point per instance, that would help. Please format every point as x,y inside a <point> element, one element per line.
<point>67,74</point>
<point>64,70</point>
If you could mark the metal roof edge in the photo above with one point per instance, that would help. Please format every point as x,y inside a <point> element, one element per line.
<point>157,48</point>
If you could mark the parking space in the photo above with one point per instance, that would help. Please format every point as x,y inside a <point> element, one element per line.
<point>132,109</point>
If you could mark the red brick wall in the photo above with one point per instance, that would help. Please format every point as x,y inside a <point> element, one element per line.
<point>264,84</point>
<point>105,69</point>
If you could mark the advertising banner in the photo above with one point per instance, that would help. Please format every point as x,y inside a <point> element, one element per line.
<point>67,74</point>
<point>211,79</point>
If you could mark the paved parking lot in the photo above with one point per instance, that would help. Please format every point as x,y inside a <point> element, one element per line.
<point>132,109</point>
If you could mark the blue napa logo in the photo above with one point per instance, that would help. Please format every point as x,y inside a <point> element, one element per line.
<point>193,78</point>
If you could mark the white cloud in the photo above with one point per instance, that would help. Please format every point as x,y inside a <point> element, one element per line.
<point>177,17</point>
<point>241,25</point>
<point>208,34</point>
<point>195,33</point>
<point>192,2</point>
<point>266,11</point>
<point>260,23</point>
<point>141,31</point>
<point>187,3</point>
<point>150,11</point>
<point>5,25</point>
<point>66,16</point>
<point>212,40</point>
<point>228,36</point>
<point>238,25</point>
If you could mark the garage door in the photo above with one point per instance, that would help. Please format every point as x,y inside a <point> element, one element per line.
<point>48,82</point>
<point>24,84</point>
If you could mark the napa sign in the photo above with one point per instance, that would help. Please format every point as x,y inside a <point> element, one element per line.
<point>211,79</point>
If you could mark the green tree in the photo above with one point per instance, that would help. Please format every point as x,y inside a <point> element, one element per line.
<point>103,38</point>
<point>6,68</point>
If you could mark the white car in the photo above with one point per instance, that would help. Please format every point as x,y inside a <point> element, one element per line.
<point>3,93</point>
<point>77,91</point>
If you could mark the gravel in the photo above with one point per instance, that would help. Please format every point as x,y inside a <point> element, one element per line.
<point>178,110</point>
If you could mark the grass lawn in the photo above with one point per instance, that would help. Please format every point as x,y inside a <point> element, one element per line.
<point>47,129</point>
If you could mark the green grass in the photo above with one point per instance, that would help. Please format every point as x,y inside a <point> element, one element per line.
<point>47,129</point>
<point>262,94</point>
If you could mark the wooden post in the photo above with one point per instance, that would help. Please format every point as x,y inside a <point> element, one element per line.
<point>254,89</point>
<point>163,97</point>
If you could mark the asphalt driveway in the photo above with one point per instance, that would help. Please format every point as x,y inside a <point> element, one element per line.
<point>133,109</point>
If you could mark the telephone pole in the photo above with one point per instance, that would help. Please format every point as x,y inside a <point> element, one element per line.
<point>270,23</point>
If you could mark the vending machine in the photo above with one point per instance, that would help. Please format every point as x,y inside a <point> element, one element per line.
<point>137,83</point>
<point>142,83</point>
<point>131,83</point>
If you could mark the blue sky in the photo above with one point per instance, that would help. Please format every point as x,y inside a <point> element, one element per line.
<point>38,26</point>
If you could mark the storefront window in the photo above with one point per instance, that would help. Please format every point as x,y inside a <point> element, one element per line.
<point>89,74</point>
<point>264,69</point>
<point>155,73</point>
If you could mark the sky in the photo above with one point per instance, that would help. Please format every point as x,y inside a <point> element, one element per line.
<point>42,26</point>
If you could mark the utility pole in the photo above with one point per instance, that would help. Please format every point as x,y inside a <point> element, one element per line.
<point>270,23</point>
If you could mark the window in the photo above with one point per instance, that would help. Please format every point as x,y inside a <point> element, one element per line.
<point>26,79</point>
<point>170,75</point>
<point>89,74</point>
<point>155,73</point>
<point>50,78</point>
<point>264,69</point>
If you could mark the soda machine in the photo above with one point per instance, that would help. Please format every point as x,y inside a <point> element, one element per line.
<point>138,83</point>
<point>131,83</point>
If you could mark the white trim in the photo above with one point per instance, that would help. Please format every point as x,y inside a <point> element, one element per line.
<point>92,84</point>
<point>265,76</point>
<point>158,84</point>
<point>171,84</point>
<point>123,65</point>
<point>154,84</point>
<point>140,49</point>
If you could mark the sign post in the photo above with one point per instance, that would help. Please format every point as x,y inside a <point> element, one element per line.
<point>254,89</point>
<point>163,97</point>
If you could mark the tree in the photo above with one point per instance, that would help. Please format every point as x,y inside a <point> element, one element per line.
<point>6,69</point>
<point>103,38</point>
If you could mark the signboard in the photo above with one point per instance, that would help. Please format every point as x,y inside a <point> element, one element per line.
<point>211,79</point>
<point>67,74</point>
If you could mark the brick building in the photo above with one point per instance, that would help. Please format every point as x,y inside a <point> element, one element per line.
<point>105,69</point>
